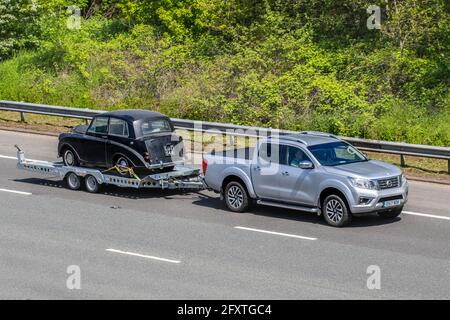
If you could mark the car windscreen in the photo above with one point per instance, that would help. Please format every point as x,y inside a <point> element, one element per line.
<point>336,153</point>
<point>154,126</point>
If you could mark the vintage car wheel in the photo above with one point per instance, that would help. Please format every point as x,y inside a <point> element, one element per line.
<point>69,158</point>
<point>123,164</point>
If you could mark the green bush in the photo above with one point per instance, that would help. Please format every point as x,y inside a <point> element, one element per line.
<point>280,64</point>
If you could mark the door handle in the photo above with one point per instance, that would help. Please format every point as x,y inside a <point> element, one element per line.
<point>104,137</point>
<point>258,168</point>
<point>285,173</point>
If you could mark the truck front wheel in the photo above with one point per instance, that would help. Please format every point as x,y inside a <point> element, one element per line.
<point>236,197</point>
<point>335,211</point>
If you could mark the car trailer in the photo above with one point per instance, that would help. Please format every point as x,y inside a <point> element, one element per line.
<point>181,177</point>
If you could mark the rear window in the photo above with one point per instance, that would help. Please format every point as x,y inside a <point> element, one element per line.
<point>155,126</point>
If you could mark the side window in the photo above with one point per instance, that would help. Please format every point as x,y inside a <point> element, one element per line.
<point>292,156</point>
<point>118,127</point>
<point>269,152</point>
<point>99,125</point>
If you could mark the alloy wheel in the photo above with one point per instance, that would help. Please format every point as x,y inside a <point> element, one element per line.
<point>334,210</point>
<point>235,197</point>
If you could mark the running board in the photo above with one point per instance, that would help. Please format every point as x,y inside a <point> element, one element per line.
<point>288,206</point>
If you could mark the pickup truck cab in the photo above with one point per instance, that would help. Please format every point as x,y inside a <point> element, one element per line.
<point>310,171</point>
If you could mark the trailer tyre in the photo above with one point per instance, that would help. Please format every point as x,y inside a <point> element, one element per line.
<point>73,181</point>
<point>91,184</point>
<point>236,197</point>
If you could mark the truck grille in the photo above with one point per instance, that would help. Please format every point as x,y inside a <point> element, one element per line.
<point>389,183</point>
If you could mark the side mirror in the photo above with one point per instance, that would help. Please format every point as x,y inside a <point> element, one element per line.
<point>305,164</point>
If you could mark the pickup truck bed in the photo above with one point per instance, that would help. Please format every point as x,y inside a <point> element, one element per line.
<point>237,153</point>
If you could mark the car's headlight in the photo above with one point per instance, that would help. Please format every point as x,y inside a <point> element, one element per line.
<point>364,183</point>
<point>402,179</point>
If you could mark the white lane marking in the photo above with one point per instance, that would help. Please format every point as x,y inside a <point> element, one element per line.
<point>143,256</point>
<point>8,157</point>
<point>426,215</point>
<point>276,233</point>
<point>15,191</point>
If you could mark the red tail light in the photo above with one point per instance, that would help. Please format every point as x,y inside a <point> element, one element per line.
<point>147,156</point>
<point>204,165</point>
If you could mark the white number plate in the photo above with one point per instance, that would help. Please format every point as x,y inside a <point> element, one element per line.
<point>391,203</point>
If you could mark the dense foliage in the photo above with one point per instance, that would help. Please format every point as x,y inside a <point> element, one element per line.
<point>304,64</point>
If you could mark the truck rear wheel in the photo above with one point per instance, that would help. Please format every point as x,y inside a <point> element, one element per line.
<point>335,211</point>
<point>236,197</point>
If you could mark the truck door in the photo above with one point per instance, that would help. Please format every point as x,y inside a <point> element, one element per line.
<point>295,184</point>
<point>265,171</point>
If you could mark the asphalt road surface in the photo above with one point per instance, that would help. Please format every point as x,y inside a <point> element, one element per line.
<point>154,244</point>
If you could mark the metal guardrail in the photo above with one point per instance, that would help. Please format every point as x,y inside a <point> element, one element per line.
<point>399,148</point>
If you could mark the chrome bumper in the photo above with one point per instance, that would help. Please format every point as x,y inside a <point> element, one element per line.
<point>163,165</point>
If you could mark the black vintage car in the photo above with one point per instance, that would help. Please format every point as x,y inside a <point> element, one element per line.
<point>138,139</point>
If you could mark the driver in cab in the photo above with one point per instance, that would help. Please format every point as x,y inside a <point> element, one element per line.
<point>297,158</point>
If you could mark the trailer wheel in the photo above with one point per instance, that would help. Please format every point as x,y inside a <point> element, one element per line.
<point>92,184</point>
<point>73,181</point>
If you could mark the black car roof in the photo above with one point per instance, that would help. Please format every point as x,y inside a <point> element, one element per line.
<point>134,114</point>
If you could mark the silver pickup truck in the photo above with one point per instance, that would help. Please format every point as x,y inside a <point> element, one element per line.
<point>310,171</point>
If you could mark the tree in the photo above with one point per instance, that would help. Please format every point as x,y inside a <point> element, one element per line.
<point>17,25</point>
<point>417,25</point>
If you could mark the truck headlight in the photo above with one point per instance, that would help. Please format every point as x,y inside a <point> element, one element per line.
<point>363,183</point>
<point>402,179</point>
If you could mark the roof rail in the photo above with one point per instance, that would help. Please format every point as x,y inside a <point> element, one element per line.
<point>322,134</point>
<point>292,138</point>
